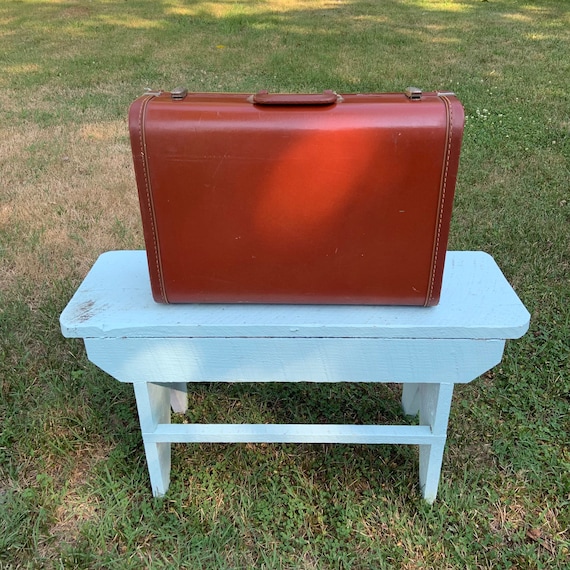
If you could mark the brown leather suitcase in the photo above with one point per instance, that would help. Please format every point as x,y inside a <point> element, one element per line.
<point>326,198</point>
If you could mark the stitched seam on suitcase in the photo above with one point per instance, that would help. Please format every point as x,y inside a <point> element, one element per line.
<point>442,197</point>
<point>150,204</point>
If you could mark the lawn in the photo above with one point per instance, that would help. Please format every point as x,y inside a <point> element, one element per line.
<point>74,490</point>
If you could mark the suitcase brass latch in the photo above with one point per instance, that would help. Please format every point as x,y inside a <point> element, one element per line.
<point>178,93</point>
<point>414,93</point>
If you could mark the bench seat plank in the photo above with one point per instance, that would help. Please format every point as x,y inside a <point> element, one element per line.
<point>115,300</point>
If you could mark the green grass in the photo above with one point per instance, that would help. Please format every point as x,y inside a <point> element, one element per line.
<point>74,491</point>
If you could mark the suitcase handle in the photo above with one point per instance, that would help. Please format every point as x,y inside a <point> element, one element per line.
<point>327,97</point>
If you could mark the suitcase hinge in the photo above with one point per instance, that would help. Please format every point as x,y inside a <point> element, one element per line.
<point>414,93</point>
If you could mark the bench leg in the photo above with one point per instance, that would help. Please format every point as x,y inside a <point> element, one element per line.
<point>411,399</point>
<point>178,397</point>
<point>434,408</point>
<point>153,404</point>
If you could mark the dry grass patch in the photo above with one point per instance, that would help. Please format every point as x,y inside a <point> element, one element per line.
<point>77,505</point>
<point>74,198</point>
<point>515,521</point>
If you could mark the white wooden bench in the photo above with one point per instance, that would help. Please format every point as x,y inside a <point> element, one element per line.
<point>159,348</point>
